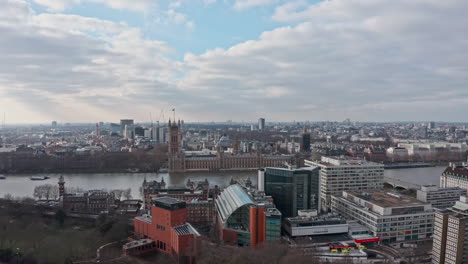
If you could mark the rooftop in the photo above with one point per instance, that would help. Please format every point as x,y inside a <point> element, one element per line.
<point>137,243</point>
<point>331,218</point>
<point>186,229</point>
<point>167,200</point>
<point>385,199</point>
<point>145,218</point>
<point>344,161</point>
<point>168,203</point>
<point>293,168</point>
<point>459,171</point>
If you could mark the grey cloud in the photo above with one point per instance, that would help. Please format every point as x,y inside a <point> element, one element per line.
<point>363,59</point>
<point>344,56</point>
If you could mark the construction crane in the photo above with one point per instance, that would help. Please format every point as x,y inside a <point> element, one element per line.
<point>161,116</point>
<point>151,119</point>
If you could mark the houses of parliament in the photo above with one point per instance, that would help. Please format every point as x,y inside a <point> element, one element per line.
<point>182,161</point>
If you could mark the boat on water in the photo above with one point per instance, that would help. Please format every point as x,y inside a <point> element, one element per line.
<point>2,177</point>
<point>39,178</point>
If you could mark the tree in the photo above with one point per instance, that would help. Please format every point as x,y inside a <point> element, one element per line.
<point>8,197</point>
<point>38,192</point>
<point>127,194</point>
<point>47,191</point>
<point>117,194</point>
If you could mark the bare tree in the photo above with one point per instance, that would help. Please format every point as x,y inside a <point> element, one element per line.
<point>38,192</point>
<point>127,194</point>
<point>47,191</point>
<point>8,197</point>
<point>117,194</point>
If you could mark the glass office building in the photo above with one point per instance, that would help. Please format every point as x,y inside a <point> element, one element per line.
<point>246,217</point>
<point>292,188</point>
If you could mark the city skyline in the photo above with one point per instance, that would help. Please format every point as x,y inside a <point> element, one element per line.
<point>94,60</point>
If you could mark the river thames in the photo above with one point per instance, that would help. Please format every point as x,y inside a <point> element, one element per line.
<point>22,186</point>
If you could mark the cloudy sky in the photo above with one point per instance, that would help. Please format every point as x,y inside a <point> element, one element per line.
<point>215,60</point>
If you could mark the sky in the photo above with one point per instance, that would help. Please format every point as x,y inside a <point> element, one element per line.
<point>217,60</point>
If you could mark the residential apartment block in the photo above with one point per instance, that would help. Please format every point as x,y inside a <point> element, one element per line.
<point>451,234</point>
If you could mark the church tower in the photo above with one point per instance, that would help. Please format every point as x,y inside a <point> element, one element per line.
<point>176,157</point>
<point>175,139</point>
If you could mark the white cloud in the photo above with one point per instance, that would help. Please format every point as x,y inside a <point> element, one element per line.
<point>363,59</point>
<point>179,19</point>
<point>244,4</point>
<point>344,57</point>
<point>77,68</point>
<point>133,5</point>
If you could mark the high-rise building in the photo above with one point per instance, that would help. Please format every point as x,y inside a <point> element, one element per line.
<point>389,216</point>
<point>431,125</point>
<point>305,141</point>
<point>54,124</point>
<point>451,234</point>
<point>139,131</point>
<point>129,132</point>
<point>261,123</point>
<point>247,217</point>
<point>292,188</point>
<point>123,123</point>
<point>115,128</point>
<point>343,173</point>
<point>441,198</point>
<point>161,134</point>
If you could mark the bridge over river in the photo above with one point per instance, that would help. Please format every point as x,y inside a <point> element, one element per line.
<point>397,183</point>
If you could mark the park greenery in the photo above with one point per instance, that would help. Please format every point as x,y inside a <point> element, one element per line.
<point>29,237</point>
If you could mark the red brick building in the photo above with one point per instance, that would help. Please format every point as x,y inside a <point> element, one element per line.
<point>166,230</point>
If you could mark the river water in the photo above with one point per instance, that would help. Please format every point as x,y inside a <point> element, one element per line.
<point>22,186</point>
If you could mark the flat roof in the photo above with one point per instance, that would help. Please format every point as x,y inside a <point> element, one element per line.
<point>338,161</point>
<point>167,200</point>
<point>386,199</point>
<point>168,203</point>
<point>137,243</point>
<point>145,218</point>
<point>292,168</point>
<point>186,229</point>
